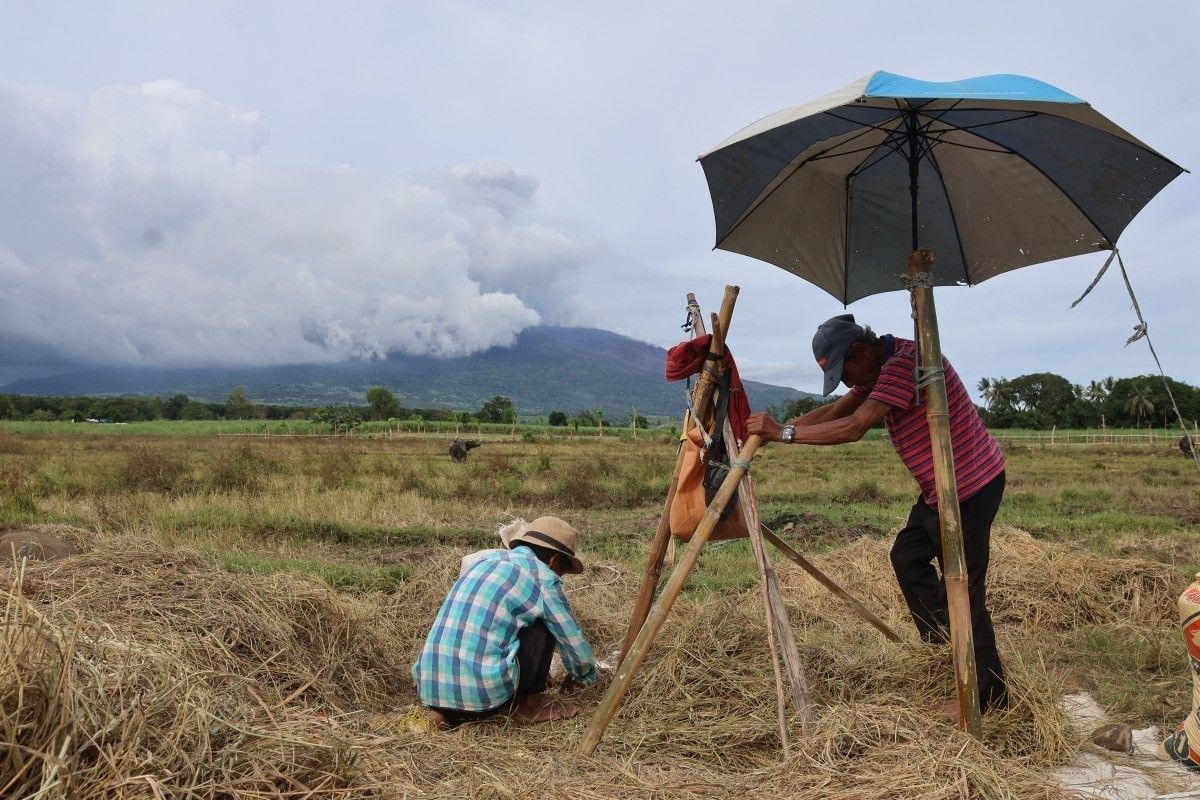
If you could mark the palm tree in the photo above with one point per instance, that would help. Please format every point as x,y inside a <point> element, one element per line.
<point>1140,403</point>
<point>985,391</point>
<point>1095,392</point>
<point>1002,391</point>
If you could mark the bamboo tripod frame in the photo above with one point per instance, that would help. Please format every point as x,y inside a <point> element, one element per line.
<point>646,621</point>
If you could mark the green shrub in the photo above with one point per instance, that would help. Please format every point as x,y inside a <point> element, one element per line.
<point>240,469</point>
<point>148,470</point>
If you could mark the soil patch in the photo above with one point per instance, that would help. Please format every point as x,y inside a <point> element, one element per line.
<point>811,528</point>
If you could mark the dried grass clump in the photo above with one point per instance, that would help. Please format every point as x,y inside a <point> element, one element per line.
<point>1031,584</point>
<point>132,671</point>
<point>137,671</point>
<point>1051,586</point>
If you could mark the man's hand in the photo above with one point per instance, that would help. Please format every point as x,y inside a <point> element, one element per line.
<point>762,424</point>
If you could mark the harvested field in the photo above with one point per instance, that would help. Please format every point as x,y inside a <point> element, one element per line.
<point>135,670</point>
<point>243,617</point>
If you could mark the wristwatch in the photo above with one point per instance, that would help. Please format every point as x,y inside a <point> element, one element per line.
<point>788,434</point>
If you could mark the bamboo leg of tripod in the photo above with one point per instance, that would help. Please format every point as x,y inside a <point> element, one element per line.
<point>702,394</point>
<point>658,614</point>
<point>823,579</point>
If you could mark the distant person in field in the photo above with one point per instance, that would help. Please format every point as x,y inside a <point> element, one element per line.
<point>878,370</point>
<point>490,648</point>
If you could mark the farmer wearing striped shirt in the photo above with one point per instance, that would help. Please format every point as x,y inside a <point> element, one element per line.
<point>490,647</point>
<point>879,373</point>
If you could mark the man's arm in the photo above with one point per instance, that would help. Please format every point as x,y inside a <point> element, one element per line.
<point>835,431</point>
<point>844,406</point>
<point>560,621</point>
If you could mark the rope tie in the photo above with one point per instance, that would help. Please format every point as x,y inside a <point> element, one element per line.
<point>927,375</point>
<point>922,376</point>
<point>687,402</point>
<point>917,280</point>
<point>689,326</point>
<point>1141,331</point>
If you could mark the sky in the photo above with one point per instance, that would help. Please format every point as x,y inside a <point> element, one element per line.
<point>187,183</point>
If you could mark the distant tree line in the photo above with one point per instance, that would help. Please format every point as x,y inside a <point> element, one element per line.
<point>1043,400</point>
<point>382,405</point>
<point>141,409</point>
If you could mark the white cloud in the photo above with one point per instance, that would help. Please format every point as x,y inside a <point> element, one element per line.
<point>152,227</point>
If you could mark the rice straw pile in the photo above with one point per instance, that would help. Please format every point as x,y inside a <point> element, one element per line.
<point>136,671</point>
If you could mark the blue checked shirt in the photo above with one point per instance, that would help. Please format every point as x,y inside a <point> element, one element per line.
<point>469,661</point>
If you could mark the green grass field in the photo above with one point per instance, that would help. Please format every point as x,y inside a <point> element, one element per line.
<point>210,551</point>
<point>360,512</point>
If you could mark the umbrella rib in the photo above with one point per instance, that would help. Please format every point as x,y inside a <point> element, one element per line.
<point>779,182</point>
<point>1029,115</point>
<point>962,253</point>
<point>829,154</point>
<point>863,166</point>
<point>872,126</point>
<point>1056,185</point>
<point>939,141</point>
<point>1136,143</point>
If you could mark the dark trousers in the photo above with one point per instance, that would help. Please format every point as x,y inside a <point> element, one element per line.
<point>916,547</point>
<point>535,649</point>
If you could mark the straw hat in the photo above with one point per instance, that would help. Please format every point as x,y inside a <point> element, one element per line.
<point>551,533</point>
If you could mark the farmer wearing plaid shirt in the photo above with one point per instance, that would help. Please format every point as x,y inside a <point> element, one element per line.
<point>879,372</point>
<point>490,647</point>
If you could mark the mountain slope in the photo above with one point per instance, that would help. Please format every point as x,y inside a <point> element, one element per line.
<point>549,368</point>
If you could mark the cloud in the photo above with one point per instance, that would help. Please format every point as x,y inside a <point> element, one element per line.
<point>153,226</point>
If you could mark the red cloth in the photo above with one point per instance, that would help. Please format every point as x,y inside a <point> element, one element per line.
<point>687,358</point>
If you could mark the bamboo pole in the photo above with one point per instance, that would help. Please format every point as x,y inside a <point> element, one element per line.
<point>701,393</point>
<point>658,613</point>
<point>697,320</point>
<point>780,639</point>
<point>823,579</point>
<point>954,570</point>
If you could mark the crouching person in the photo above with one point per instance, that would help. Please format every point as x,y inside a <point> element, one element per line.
<point>490,647</point>
<point>1184,744</point>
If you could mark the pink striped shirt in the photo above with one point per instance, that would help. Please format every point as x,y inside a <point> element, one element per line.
<point>977,456</point>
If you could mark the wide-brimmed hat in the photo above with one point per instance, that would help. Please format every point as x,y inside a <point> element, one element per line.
<point>553,534</point>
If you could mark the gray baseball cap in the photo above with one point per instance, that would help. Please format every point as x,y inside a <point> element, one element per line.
<point>830,344</point>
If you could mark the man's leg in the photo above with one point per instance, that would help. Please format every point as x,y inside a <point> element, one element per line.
<point>535,651</point>
<point>912,559</point>
<point>447,718</point>
<point>978,512</point>
<point>534,654</point>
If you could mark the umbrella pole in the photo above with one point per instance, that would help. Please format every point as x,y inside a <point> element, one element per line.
<point>954,570</point>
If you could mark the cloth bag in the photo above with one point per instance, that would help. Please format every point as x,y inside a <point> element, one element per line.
<point>691,497</point>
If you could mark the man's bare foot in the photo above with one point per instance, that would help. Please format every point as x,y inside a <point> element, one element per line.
<point>536,708</point>
<point>435,719</point>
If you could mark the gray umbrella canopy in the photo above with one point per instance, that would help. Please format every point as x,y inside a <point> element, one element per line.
<point>992,173</point>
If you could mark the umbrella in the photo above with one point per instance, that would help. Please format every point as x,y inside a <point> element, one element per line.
<point>992,173</point>
<point>855,191</point>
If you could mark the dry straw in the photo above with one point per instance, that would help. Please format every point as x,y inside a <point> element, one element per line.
<point>136,671</point>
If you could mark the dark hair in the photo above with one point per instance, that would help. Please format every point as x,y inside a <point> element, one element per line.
<point>544,554</point>
<point>867,337</point>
